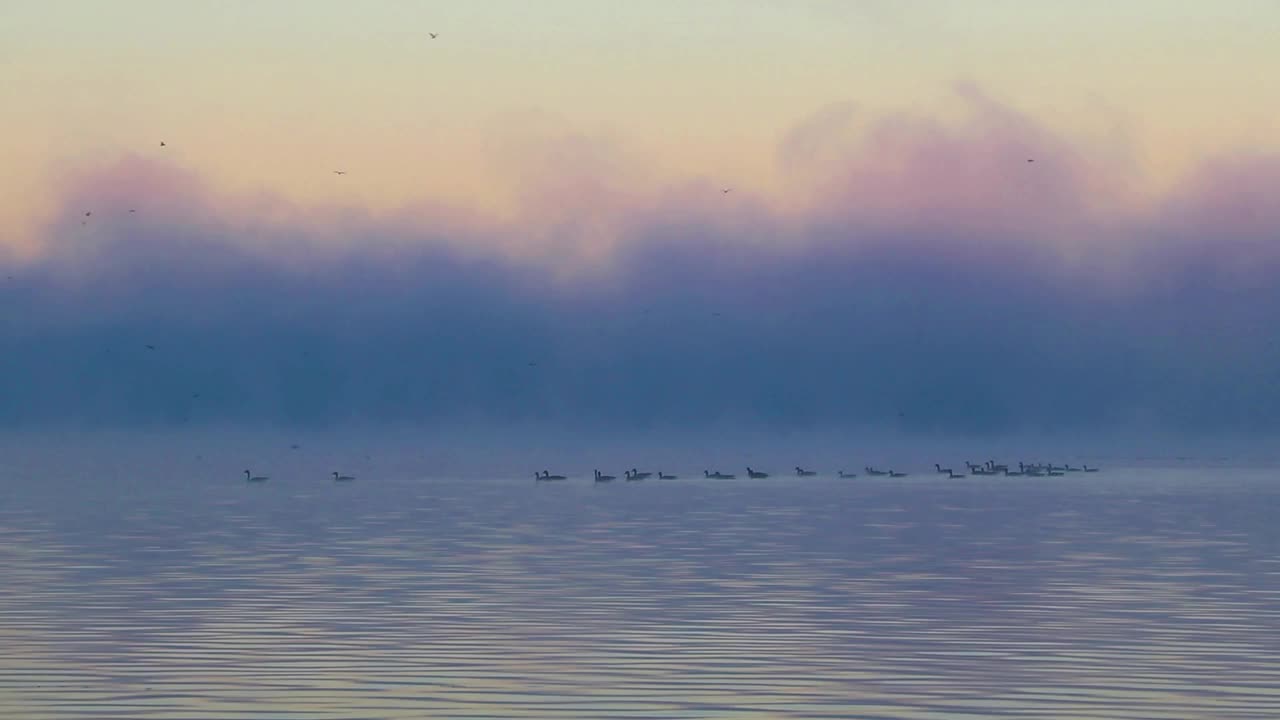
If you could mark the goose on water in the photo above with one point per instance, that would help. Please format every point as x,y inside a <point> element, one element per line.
<point>942,469</point>
<point>805,473</point>
<point>666,477</point>
<point>756,474</point>
<point>844,474</point>
<point>893,473</point>
<point>250,477</point>
<point>338,477</point>
<point>546,475</point>
<point>604,478</point>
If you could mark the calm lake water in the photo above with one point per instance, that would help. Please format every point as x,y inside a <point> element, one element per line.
<point>1127,594</point>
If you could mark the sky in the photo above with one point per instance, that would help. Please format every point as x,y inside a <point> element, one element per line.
<point>941,217</point>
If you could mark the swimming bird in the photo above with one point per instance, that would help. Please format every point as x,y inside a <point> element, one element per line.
<point>942,469</point>
<point>340,478</point>
<point>951,474</point>
<point>605,478</point>
<point>717,475</point>
<point>801,472</point>
<point>546,475</point>
<point>250,477</point>
<point>872,471</point>
<point>1089,469</point>
<point>755,474</point>
<point>844,474</point>
<point>666,477</point>
<point>896,474</point>
<point>637,475</point>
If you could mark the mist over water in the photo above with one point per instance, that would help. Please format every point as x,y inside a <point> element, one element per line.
<point>143,582</point>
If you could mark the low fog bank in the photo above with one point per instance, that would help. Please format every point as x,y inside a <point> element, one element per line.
<point>517,452</point>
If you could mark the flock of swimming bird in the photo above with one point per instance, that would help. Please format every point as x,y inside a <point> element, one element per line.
<point>990,467</point>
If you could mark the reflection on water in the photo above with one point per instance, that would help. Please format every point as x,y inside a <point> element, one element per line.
<point>1152,594</point>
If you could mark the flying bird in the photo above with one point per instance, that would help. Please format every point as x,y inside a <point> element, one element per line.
<point>88,213</point>
<point>151,347</point>
<point>433,35</point>
<point>161,143</point>
<point>726,191</point>
<point>132,210</point>
<point>339,172</point>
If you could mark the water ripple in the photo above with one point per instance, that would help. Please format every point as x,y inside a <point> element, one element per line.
<point>1122,596</point>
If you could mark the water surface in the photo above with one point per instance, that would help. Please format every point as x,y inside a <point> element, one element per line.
<point>1147,593</point>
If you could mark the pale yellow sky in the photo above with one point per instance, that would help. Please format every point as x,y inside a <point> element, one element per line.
<point>270,97</point>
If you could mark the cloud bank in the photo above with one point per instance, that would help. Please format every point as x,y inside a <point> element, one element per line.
<point>981,276</point>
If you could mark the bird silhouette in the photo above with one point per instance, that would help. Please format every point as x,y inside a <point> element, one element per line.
<point>161,143</point>
<point>433,35</point>
<point>151,347</point>
<point>339,172</point>
<point>726,191</point>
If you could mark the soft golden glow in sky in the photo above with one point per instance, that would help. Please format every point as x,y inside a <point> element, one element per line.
<point>271,97</point>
